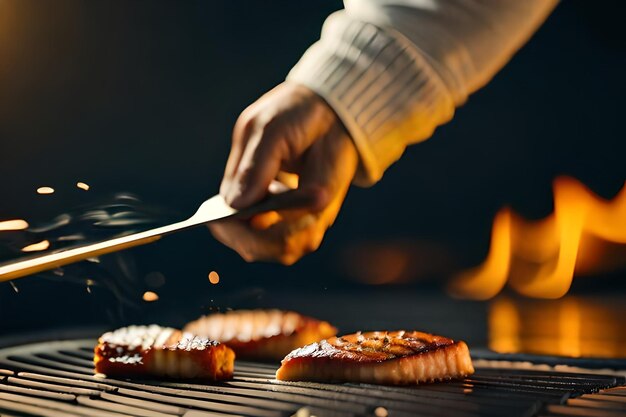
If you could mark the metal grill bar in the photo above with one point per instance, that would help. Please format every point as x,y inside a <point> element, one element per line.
<point>57,377</point>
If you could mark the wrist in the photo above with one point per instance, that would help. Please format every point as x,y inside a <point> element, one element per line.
<point>385,92</point>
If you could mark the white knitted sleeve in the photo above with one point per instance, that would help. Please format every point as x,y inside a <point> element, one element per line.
<point>394,70</point>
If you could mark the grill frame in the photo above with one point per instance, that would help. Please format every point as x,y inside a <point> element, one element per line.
<point>59,374</point>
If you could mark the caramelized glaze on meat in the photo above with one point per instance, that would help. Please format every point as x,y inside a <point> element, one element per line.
<point>261,334</point>
<point>398,357</point>
<point>162,352</point>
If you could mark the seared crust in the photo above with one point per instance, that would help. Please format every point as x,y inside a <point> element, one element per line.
<point>261,334</point>
<point>162,352</point>
<point>398,357</point>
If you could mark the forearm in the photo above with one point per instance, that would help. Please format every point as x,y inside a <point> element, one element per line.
<point>393,73</point>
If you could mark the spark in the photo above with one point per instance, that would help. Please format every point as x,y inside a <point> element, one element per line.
<point>214,277</point>
<point>90,283</point>
<point>35,247</point>
<point>17,224</point>
<point>14,286</point>
<point>45,190</point>
<point>82,186</point>
<point>381,412</point>
<point>150,296</point>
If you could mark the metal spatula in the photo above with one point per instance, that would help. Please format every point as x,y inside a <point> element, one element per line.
<point>213,209</point>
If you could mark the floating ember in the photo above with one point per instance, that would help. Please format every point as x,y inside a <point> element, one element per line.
<point>150,296</point>
<point>45,190</point>
<point>35,247</point>
<point>17,224</point>
<point>214,277</point>
<point>82,186</point>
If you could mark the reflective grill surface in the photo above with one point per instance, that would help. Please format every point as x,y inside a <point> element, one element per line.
<point>56,379</point>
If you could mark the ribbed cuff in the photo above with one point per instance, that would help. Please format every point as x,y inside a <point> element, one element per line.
<point>382,89</point>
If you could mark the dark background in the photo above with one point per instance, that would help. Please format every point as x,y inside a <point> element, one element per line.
<point>141,97</point>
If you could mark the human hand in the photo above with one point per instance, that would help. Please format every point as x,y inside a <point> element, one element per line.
<point>290,130</point>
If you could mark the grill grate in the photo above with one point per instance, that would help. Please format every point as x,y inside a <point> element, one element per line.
<point>55,378</point>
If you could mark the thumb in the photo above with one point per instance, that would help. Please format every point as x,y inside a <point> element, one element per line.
<point>311,198</point>
<point>307,199</point>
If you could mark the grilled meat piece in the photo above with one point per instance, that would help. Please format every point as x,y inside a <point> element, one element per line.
<point>393,358</point>
<point>162,352</point>
<point>261,334</point>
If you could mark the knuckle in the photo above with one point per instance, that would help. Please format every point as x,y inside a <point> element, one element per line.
<point>294,248</point>
<point>286,250</point>
<point>288,259</point>
<point>249,112</point>
<point>314,243</point>
<point>314,239</point>
<point>246,256</point>
<point>244,126</point>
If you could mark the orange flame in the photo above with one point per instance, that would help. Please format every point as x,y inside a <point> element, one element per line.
<point>538,258</point>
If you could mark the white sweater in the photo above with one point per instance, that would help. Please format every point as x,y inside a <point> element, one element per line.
<point>394,70</point>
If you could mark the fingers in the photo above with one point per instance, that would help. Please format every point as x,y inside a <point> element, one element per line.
<point>241,133</point>
<point>331,164</point>
<point>254,159</point>
<point>260,163</point>
<point>272,134</point>
<point>287,235</point>
<point>284,241</point>
<point>280,236</point>
<point>288,129</point>
<point>251,245</point>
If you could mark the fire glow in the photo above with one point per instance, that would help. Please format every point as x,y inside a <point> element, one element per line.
<point>539,258</point>
<point>578,326</point>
